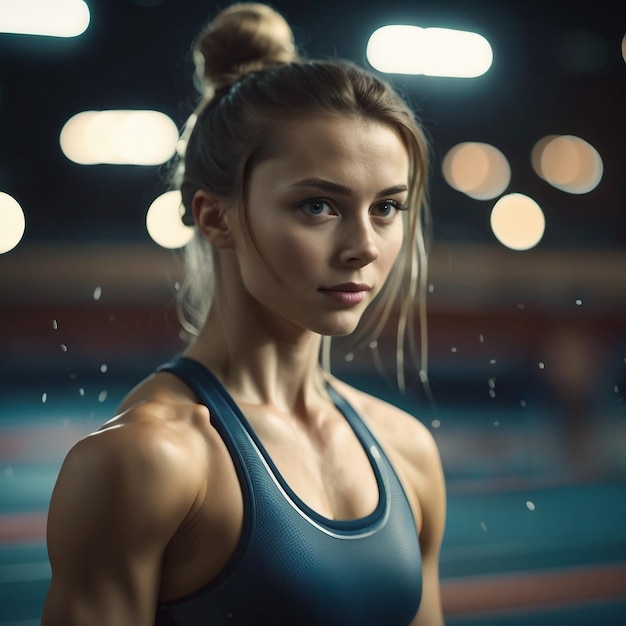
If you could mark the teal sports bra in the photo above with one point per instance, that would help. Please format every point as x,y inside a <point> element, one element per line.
<point>293,566</point>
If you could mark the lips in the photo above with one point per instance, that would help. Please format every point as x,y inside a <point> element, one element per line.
<point>347,293</point>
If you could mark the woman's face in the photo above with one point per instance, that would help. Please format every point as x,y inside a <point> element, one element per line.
<point>325,219</point>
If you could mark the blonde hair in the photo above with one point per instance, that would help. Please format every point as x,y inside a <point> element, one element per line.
<point>254,84</point>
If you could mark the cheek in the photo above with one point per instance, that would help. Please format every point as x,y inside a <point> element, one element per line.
<point>393,246</point>
<point>292,249</point>
<point>288,255</point>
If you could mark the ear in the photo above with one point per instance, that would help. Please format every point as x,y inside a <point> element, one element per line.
<point>208,212</point>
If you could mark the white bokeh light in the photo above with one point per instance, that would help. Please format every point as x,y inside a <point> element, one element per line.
<point>12,222</point>
<point>517,221</point>
<point>403,49</point>
<point>119,137</point>
<point>51,18</point>
<point>164,223</point>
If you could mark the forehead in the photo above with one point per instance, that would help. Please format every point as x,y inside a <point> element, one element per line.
<point>346,150</point>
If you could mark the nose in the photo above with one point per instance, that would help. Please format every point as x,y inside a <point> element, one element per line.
<point>359,246</point>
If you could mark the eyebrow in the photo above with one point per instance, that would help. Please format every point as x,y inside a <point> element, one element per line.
<point>327,185</point>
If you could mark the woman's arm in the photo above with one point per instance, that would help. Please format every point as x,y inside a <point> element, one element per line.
<point>431,492</point>
<point>120,496</point>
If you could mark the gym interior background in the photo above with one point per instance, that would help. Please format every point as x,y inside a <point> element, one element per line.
<point>526,347</point>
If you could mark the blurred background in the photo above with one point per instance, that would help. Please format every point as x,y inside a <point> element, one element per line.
<point>526,287</point>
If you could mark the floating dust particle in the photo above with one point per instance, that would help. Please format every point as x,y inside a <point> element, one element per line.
<point>530,505</point>
<point>97,293</point>
<point>102,396</point>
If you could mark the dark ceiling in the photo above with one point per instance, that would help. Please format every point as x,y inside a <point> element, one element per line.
<point>558,69</point>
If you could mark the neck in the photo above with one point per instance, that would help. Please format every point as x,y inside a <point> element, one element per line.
<point>261,360</point>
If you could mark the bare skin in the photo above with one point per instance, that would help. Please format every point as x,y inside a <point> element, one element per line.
<point>149,508</point>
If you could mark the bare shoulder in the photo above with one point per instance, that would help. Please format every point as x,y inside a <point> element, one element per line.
<point>152,439</point>
<point>147,460</point>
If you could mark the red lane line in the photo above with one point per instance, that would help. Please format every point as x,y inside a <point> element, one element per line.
<point>531,589</point>
<point>38,444</point>
<point>19,527</point>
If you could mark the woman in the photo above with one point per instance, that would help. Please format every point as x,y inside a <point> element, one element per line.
<point>241,483</point>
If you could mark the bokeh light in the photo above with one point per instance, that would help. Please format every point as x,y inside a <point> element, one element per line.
<point>517,221</point>
<point>402,49</point>
<point>119,137</point>
<point>52,18</point>
<point>479,170</point>
<point>164,223</point>
<point>12,222</point>
<point>624,48</point>
<point>537,151</point>
<point>568,163</point>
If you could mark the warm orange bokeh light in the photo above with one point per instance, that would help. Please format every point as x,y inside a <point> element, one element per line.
<point>568,163</point>
<point>535,155</point>
<point>517,221</point>
<point>479,170</point>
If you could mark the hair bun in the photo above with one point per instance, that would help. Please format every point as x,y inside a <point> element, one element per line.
<point>243,38</point>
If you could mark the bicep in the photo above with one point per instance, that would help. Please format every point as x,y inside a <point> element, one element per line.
<point>96,598</point>
<point>107,529</point>
<point>98,577</point>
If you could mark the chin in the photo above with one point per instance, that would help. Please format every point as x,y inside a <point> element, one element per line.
<point>338,329</point>
<point>339,333</point>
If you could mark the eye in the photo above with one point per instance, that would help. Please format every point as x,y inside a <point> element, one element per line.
<point>388,208</point>
<point>316,207</point>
